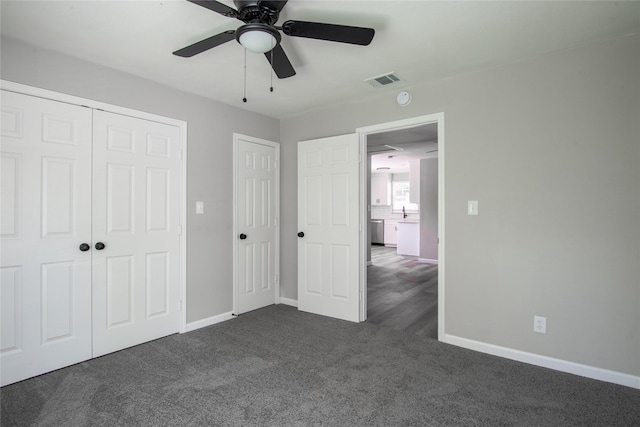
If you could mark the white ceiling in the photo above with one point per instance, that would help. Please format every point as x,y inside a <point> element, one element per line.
<point>397,148</point>
<point>420,40</point>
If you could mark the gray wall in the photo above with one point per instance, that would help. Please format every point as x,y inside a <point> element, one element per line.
<point>429,208</point>
<point>550,148</point>
<point>209,170</point>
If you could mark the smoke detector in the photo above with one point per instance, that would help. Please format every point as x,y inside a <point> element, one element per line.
<point>383,80</point>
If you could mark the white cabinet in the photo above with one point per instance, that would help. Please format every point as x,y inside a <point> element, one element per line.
<point>409,238</point>
<point>380,189</point>
<point>390,232</point>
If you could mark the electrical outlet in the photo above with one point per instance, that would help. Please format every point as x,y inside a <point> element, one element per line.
<point>540,324</point>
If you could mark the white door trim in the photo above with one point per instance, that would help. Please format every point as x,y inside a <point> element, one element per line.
<point>236,138</point>
<point>363,132</point>
<point>182,125</point>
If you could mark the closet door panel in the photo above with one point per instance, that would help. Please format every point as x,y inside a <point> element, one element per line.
<point>46,214</point>
<point>136,199</point>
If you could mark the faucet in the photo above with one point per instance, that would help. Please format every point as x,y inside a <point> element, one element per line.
<point>404,213</point>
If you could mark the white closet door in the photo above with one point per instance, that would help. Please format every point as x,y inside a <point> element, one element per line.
<point>45,216</point>
<point>136,200</point>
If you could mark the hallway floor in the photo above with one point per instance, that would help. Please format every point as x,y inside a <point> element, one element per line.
<point>402,293</point>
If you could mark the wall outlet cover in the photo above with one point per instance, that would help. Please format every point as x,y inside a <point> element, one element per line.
<point>540,324</point>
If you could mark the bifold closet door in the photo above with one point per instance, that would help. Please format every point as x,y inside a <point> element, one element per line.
<point>136,231</point>
<point>90,230</point>
<point>45,274</point>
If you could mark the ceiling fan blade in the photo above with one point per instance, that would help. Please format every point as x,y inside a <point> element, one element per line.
<point>206,44</point>
<point>280,64</point>
<point>218,7</point>
<point>276,5</point>
<point>335,33</point>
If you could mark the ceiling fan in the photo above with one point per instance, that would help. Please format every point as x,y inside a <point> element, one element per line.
<point>260,34</point>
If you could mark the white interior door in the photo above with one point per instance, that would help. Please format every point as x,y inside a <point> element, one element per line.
<point>328,226</point>
<point>45,216</point>
<point>256,223</point>
<point>136,200</point>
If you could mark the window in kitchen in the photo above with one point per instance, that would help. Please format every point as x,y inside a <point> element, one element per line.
<point>400,195</point>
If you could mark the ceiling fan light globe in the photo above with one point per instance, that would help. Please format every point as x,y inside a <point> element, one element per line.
<point>258,41</point>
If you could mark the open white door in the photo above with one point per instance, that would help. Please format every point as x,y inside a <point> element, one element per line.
<point>256,223</point>
<point>328,227</point>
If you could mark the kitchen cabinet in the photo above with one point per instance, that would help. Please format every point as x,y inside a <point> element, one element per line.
<point>409,238</point>
<point>390,232</point>
<point>380,189</point>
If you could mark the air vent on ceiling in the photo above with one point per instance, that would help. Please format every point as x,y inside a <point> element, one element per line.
<point>383,80</point>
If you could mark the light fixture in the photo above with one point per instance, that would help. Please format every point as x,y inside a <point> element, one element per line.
<point>259,38</point>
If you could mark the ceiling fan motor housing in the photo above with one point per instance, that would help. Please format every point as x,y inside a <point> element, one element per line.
<point>253,11</point>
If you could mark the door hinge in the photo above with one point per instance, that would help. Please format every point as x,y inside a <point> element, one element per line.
<point>180,305</point>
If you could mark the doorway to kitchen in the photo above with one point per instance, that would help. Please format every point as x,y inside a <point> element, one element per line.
<point>402,266</point>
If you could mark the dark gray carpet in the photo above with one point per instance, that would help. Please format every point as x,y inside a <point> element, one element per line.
<point>278,366</point>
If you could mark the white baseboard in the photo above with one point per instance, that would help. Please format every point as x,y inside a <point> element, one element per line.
<point>427,261</point>
<point>288,301</point>
<point>209,321</point>
<point>546,362</point>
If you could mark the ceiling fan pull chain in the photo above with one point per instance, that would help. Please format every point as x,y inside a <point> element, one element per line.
<point>271,88</point>
<point>244,99</point>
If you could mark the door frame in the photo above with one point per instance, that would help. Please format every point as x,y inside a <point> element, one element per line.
<point>363,132</point>
<point>182,125</point>
<point>276,146</point>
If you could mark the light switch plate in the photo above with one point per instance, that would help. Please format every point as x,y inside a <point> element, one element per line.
<point>472,207</point>
<point>199,208</point>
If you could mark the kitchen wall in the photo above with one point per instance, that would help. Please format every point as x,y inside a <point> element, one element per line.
<point>209,168</point>
<point>429,209</point>
<point>550,149</point>
<point>384,212</point>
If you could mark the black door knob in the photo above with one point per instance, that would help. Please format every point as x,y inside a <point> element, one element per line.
<point>84,247</point>
<point>301,234</point>
<point>243,236</point>
<point>100,246</point>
